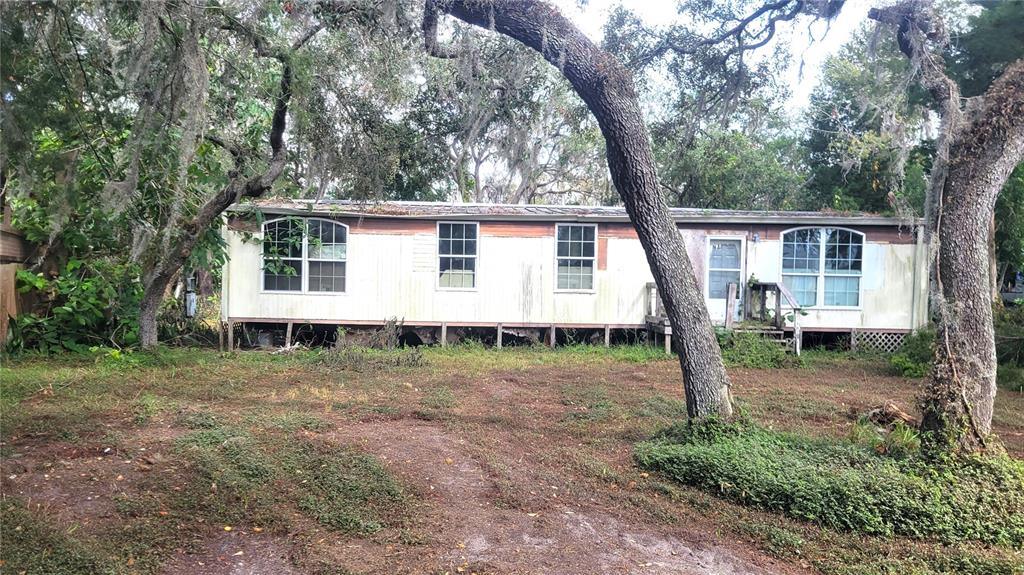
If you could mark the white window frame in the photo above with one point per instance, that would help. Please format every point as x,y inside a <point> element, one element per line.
<point>821,274</point>
<point>439,255</point>
<point>708,270</point>
<point>304,259</point>
<point>597,246</point>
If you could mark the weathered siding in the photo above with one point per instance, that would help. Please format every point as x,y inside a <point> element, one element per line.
<point>392,271</point>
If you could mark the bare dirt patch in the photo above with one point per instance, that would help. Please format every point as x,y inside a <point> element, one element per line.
<point>470,520</point>
<point>234,553</point>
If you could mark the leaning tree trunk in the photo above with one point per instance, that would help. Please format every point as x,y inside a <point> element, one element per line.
<point>188,231</point>
<point>986,148</point>
<point>977,149</point>
<point>607,88</point>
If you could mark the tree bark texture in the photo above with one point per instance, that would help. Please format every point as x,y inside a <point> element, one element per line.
<point>978,147</point>
<point>985,148</point>
<point>607,88</point>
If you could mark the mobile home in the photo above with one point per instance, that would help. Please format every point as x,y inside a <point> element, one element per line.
<point>436,266</point>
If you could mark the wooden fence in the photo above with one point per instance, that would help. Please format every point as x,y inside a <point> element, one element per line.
<point>14,250</point>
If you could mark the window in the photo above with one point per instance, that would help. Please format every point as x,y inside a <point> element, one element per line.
<point>831,258</point>
<point>304,255</point>
<point>282,255</point>
<point>576,251</point>
<point>457,252</point>
<point>326,252</point>
<point>723,267</point>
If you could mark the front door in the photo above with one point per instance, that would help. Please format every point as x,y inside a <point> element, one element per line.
<point>725,266</point>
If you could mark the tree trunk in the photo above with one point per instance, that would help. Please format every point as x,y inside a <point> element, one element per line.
<point>977,149</point>
<point>152,298</point>
<point>607,89</point>
<point>984,149</point>
<point>171,258</point>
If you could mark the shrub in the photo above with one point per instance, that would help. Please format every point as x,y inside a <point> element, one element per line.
<point>88,303</point>
<point>846,486</point>
<point>915,356</point>
<point>745,349</point>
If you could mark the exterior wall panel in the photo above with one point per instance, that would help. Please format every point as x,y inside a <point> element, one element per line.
<point>392,272</point>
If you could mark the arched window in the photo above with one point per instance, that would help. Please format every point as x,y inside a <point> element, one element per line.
<point>822,266</point>
<point>304,255</point>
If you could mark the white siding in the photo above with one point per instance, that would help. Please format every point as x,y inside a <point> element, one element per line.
<point>394,275</point>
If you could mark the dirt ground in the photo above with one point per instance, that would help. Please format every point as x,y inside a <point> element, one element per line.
<point>514,464</point>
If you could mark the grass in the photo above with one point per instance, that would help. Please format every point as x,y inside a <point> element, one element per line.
<point>846,486</point>
<point>32,545</point>
<point>261,440</point>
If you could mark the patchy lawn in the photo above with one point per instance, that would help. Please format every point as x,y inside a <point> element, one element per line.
<point>455,460</point>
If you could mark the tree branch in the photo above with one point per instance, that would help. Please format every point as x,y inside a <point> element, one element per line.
<point>430,41</point>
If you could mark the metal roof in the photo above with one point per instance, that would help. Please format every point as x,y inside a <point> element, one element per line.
<point>539,212</point>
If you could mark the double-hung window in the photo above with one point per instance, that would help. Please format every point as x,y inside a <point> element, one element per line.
<point>723,267</point>
<point>825,260</point>
<point>576,253</point>
<point>304,255</point>
<point>457,250</point>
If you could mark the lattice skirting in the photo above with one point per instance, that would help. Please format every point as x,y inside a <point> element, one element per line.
<point>877,341</point>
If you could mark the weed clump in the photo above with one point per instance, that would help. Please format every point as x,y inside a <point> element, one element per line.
<point>361,359</point>
<point>846,486</point>
<point>751,350</point>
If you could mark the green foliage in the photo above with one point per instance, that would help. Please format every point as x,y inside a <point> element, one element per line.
<point>1010,377</point>
<point>638,353</point>
<point>994,37</point>
<point>88,303</point>
<point>1010,222</point>
<point>1009,327</point>
<point>916,354</point>
<point>587,402</point>
<point>852,159</point>
<point>845,486</point>
<point>730,169</point>
<point>146,407</point>
<point>752,350</point>
<point>899,443</point>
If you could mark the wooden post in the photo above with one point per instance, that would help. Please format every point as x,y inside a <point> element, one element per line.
<point>730,305</point>
<point>778,308</point>
<point>220,336</point>
<point>444,334</point>
<point>668,343</point>
<point>551,335</point>
<point>231,336</point>
<point>748,299</point>
<point>607,336</point>
<point>499,336</point>
<point>288,335</point>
